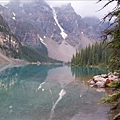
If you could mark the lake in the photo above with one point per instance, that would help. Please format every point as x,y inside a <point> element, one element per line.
<point>50,93</point>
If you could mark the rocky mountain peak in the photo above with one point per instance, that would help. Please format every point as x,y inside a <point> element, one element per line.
<point>67,8</point>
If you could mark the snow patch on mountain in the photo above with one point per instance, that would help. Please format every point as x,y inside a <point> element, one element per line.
<point>44,36</point>
<point>14,14</point>
<point>63,34</point>
<point>82,33</point>
<point>41,40</point>
<point>13,18</point>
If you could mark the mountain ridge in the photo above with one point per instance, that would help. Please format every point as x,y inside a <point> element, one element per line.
<point>36,23</point>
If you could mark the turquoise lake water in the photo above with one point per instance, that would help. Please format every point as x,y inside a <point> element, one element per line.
<point>50,93</point>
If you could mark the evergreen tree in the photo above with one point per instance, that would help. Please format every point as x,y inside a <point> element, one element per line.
<point>113,31</point>
<point>92,55</point>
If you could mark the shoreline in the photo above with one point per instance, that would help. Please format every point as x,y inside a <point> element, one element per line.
<point>111,81</point>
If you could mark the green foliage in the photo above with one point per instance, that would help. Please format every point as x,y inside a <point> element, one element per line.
<point>3,25</point>
<point>32,54</point>
<point>118,71</point>
<point>92,55</point>
<point>114,84</point>
<point>112,98</point>
<point>113,31</point>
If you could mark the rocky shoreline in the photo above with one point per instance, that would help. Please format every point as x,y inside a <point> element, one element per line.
<point>103,80</point>
<point>11,62</point>
<point>109,80</point>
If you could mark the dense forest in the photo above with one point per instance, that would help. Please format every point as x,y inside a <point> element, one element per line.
<point>107,54</point>
<point>93,55</point>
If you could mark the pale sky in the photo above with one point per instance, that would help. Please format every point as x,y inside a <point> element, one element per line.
<point>86,7</point>
<point>82,7</point>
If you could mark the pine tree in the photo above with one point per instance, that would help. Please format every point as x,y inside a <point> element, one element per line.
<point>92,55</point>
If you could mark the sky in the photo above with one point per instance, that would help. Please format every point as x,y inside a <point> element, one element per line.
<point>82,7</point>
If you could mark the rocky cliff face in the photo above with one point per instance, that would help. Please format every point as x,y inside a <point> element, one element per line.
<point>56,32</point>
<point>9,45</point>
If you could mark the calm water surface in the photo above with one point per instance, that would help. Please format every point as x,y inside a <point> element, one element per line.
<point>50,93</point>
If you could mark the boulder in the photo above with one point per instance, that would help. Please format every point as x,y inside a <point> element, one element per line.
<point>92,82</point>
<point>116,74</point>
<point>104,75</point>
<point>110,73</point>
<point>100,84</point>
<point>104,79</point>
<point>108,81</point>
<point>99,78</point>
<point>113,77</point>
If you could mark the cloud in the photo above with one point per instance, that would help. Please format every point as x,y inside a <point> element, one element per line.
<point>86,8</point>
<point>82,7</point>
<point>3,2</point>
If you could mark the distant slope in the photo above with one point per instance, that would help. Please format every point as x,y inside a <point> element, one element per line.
<point>62,52</point>
<point>4,59</point>
<point>32,54</point>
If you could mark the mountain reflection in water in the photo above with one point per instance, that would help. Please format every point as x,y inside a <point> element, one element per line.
<point>49,93</point>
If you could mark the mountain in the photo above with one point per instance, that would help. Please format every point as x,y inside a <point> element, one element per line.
<point>48,32</point>
<point>9,46</point>
<point>95,27</point>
